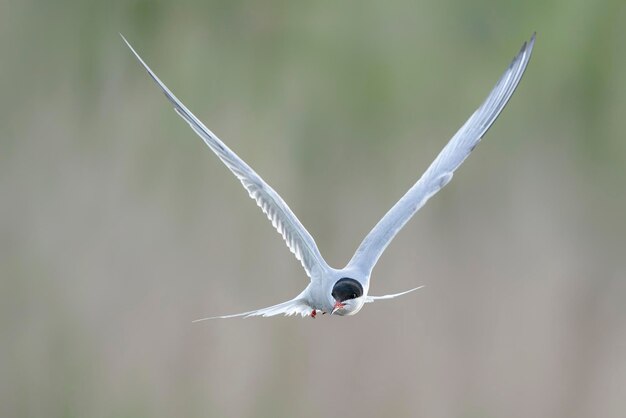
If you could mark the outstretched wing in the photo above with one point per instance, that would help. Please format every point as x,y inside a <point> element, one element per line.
<point>298,239</point>
<point>291,307</point>
<point>440,171</point>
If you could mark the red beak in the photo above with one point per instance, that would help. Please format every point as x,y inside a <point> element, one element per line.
<point>338,305</point>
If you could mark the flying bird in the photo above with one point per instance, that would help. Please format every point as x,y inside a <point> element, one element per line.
<point>345,291</point>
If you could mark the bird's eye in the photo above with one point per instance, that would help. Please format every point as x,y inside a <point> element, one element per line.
<point>354,296</point>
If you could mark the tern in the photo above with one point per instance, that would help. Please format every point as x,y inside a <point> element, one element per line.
<point>345,291</point>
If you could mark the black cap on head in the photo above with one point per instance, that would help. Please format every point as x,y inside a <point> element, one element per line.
<point>347,288</point>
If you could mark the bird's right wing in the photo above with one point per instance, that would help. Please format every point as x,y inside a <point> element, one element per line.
<point>298,239</point>
<point>440,171</point>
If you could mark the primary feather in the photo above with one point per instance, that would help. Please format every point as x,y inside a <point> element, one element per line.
<point>441,170</point>
<point>298,239</point>
<point>317,295</point>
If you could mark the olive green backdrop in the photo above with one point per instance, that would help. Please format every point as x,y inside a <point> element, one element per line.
<point>118,226</point>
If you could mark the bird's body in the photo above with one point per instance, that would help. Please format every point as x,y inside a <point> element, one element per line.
<point>345,291</point>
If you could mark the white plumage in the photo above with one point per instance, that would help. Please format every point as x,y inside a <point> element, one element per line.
<point>345,291</point>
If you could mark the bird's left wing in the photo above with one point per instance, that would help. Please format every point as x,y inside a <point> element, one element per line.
<point>440,171</point>
<point>298,239</point>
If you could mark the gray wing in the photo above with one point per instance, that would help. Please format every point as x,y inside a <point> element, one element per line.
<point>440,171</point>
<point>298,239</point>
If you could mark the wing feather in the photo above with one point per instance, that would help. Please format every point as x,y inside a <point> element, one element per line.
<point>297,238</point>
<point>442,168</point>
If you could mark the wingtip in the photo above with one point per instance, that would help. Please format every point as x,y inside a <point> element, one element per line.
<point>131,48</point>
<point>125,40</point>
<point>528,45</point>
<point>531,42</point>
<point>141,61</point>
<point>524,53</point>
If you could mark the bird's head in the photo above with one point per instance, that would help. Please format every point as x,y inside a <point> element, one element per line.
<point>347,297</point>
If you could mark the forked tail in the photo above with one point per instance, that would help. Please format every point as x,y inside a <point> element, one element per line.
<point>369,299</point>
<point>291,307</point>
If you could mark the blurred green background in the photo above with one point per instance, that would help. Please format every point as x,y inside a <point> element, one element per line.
<point>118,226</point>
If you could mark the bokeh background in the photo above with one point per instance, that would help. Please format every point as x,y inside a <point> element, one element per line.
<point>118,226</point>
